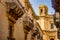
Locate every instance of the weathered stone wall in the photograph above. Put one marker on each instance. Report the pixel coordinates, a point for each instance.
(3, 22)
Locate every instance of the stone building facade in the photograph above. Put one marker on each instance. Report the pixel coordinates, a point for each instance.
(46, 22)
(19, 22)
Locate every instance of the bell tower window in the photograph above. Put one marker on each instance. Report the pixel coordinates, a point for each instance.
(41, 10)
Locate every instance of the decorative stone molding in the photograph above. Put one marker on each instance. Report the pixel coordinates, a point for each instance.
(28, 23)
(14, 12)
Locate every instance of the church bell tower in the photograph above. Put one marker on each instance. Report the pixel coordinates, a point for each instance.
(43, 10)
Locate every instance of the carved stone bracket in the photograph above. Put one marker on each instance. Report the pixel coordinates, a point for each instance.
(14, 12)
(14, 9)
(35, 32)
(28, 23)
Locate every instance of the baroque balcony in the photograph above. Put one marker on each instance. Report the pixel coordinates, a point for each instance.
(28, 23)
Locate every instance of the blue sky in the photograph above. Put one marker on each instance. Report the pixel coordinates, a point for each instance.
(36, 3)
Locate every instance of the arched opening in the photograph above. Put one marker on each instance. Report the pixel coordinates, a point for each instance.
(51, 39)
(41, 10)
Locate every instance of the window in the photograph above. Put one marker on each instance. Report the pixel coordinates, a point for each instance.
(51, 39)
(41, 10)
(52, 25)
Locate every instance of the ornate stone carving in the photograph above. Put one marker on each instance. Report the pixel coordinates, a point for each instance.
(28, 23)
(14, 12)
